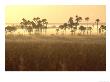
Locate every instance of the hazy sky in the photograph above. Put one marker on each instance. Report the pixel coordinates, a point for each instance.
(54, 14)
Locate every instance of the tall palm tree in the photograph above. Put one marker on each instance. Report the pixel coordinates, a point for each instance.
(36, 22)
(87, 19)
(24, 24)
(97, 22)
(78, 19)
(70, 22)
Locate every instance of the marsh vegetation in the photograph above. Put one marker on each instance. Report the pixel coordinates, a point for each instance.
(80, 50)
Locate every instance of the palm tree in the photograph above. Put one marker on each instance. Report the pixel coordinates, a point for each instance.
(39, 25)
(36, 19)
(72, 32)
(70, 22)
(87, 19)
(10, 29)
(36, 22)
(44, 21)
(78, 19)
(22, 25)
(62, 27)
(24, 22)
(97, 22)
(65, 26)
(102, 27)
(82, 29)
(29, 26)
(34, 26)
(57, 30)
(90, 29)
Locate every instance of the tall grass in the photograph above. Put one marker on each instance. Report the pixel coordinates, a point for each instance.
(55, 53)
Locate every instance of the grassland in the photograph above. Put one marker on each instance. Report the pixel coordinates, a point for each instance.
(55, 53)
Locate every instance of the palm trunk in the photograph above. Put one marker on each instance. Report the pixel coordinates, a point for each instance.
(87, 28)
(97, 28)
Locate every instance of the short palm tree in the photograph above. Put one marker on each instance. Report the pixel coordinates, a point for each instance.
(57, 30)
(102, 27)
(90, 29)
(82, 29)
(62, 28)
(65, 26)
(10, 29)
(44, 25)
(72, 32)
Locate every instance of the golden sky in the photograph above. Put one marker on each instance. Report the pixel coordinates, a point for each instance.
(54, 14)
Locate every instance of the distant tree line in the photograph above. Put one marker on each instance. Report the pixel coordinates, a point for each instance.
(40, 25)
(74, 25)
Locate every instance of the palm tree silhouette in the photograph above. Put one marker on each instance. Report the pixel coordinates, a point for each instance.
(44, 25)
(65, 26)
(36, 19)
(97, 22)
(29, 26)
(62, 28)
(10, 29)
(25, 22)
(78, 19)
(87, 19)
(82, 29)
(40, 25)
(36, 22)
(57, 30)
(70, 22)
(90, 30)
(102, 27)
(22, 25)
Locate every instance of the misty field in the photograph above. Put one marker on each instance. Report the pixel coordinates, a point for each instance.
(55, 53)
